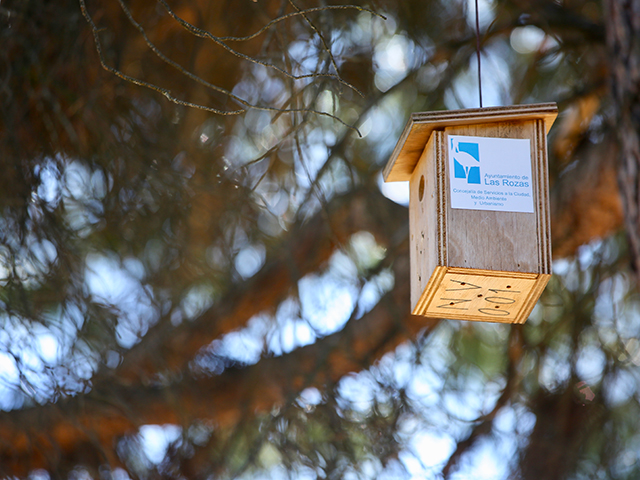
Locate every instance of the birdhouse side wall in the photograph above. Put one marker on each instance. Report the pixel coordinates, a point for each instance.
(427, 212)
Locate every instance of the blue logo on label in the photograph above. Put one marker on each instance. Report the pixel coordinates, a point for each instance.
(466, 161)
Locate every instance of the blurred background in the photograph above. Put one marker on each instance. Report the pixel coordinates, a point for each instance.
(202, 274)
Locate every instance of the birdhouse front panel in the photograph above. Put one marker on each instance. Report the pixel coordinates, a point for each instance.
(486, 234)
(479, 211)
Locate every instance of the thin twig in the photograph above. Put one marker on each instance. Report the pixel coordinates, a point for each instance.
(167, 93)
(298, 13)
(322, 39)
(204, 34)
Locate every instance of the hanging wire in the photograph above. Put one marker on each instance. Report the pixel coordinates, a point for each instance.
(478, 53)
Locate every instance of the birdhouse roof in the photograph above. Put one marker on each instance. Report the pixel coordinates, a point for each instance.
(416, 133)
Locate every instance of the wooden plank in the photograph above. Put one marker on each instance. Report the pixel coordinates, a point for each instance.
(492, 240)
(418, 129)
(407, 152)
(481, 295)
(424, 222)
(429, 292)
(441, 198)
(541, 186)
(534, 295)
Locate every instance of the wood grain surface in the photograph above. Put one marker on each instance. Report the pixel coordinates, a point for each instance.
(427, 210)
(480, 295)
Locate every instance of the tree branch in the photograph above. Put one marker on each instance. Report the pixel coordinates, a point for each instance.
(307, 247)
(112, 410)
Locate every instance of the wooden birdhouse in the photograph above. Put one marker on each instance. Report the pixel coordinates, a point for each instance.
(478, 210)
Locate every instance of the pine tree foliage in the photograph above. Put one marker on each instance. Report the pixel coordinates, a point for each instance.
(200, 275)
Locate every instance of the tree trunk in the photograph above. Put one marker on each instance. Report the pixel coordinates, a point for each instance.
(622, 19)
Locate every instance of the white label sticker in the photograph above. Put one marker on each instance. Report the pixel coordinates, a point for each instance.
(490, 174)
